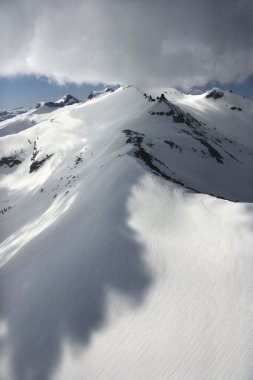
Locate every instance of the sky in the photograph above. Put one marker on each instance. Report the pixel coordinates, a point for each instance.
(52, 47)
(27, 91)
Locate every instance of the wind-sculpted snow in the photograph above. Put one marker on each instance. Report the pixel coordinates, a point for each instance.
(113, 263)
(74, 259)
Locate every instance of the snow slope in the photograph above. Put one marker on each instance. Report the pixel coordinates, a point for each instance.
(115, 260)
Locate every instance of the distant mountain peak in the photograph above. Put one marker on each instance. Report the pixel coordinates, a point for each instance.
(94, 94)
(66, 100)
(215, 93)
(9, 114)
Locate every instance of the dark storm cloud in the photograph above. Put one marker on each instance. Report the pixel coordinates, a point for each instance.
(149, 43)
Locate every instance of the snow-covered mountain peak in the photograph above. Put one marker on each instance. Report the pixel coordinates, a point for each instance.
(215, 94)
(66, 100)
(174, 135)
(97, 93)
(116, 245)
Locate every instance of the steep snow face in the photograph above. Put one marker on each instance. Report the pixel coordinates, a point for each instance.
(192, 151)
(113, 263)
(230, 114)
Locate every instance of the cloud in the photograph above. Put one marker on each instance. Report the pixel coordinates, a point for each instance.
(142, 42)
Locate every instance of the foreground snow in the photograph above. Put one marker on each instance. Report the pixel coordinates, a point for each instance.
(108, 269)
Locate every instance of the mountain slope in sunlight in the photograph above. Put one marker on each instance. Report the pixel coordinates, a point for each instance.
(126, 238)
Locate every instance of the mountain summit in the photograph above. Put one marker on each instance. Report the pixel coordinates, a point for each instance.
(66, 100)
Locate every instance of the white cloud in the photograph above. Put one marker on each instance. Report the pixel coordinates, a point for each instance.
(148, 43)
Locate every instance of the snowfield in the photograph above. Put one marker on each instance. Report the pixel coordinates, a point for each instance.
(126, 238)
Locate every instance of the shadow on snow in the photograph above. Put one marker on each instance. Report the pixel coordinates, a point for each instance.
(55, 289)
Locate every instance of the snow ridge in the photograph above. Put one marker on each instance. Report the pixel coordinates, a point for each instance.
(119, 257)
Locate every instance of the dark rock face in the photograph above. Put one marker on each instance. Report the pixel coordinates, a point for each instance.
(215, 94)
(67, 100)
(109, 89)
(93, 94)
(212, 151)
(179, 116)
(235, 108)
(162, 97)
(38, 163)
(173, 145)
(138, 141)
(53, 104)
(10, 161)
(149, 97)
